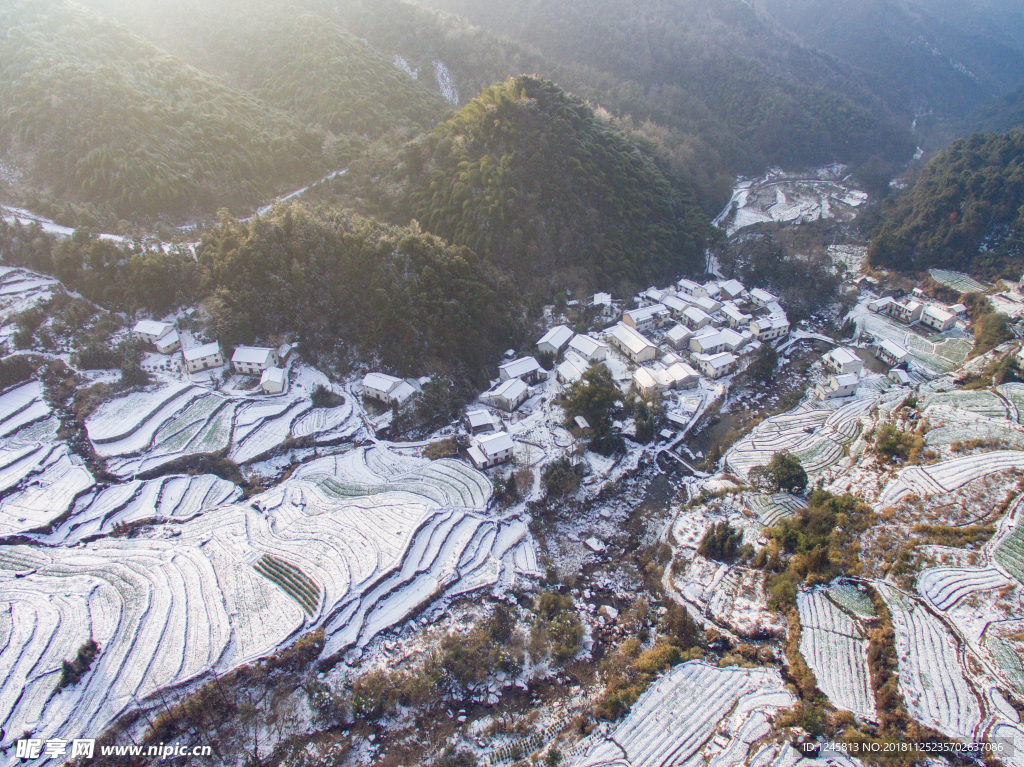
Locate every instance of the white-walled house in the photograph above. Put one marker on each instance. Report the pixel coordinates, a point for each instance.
(631, 343)
(509, 395)
(167, 343)
(938, 319)
(682, 376)
(387, 389)
(734, 316)
(898, 376)
(254, 359)
(843, 385)
(482, 420)
(695, 318)
(571, 369)
(906, 312)
(203, 357)
(768, 328)
(708, 304)
(151, 331)
(891, 353)
(761, 297)
(492, 450)
(555, 340)
(881, 305)
(731, 288)
(691, 289)
(589, 348)
(707, 341)
(604, 304)
(843, 360)
(675, 305)
(272, 381)
(649, 382)
(647, 317)
(527, 369)
(679, 337)
(715, 365)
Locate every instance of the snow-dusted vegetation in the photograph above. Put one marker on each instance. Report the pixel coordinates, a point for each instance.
(837, 651)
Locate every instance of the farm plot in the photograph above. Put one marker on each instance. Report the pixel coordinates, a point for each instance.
(772, 508)
(932, 680)
(816, 433)
(1010, 553)
(959, 281)
(1008, 661)
(938, 404)
(21, 289)
(22, 406)
(947, 476)
(837, 651)
(943, 587)
(232, 584)
(1015, 393)
(38, 484)
(675, 721)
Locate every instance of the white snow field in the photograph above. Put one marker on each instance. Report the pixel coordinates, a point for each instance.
(947, 476)
(817, 433)
(932, 678)
(21, 289)
(693, 712)
(217, 587)
(837, 651)
(145, 430)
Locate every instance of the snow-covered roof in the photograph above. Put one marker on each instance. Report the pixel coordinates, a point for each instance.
(883, 301)
(847, 379)
(680, 372)
(759, 294)
(709, 305)
(380, 382)
(844, 355)
(644, 379)
(940, 314)
(717, 361)
(402, 392)
(629, 338)
(152, 328)
(199, 352)
(732, 287)
(558, 336)
(602, 299)
(168, 339)
(900, 375)
(252, 355)
(272, 375)
(893, 349)
(688, 285)
(779, 322)
(647, 312)
(696, 314)
(511, 390)
(774, 307)
(675, 303)
(478, 418)
(731, 337)
(520, 367)
(496, 443)
(476, 455)
(958, 308)
(572, 368)
(712, 288)
(678, 333)
(733, 313)
(586, 345)
(284, 350)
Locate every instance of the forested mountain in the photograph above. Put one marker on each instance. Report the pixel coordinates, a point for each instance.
(293, 58)
(691, 60)
(965, 212)
(529, 177)
(944, 67)
(1000, 116)
(94, 114)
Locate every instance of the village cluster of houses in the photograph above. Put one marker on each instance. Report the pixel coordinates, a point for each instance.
(262, 361)
(912, 310)
(844, 366)
(713, 324)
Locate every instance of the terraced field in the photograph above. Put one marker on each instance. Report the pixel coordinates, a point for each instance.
(227, 583)
(963, 283)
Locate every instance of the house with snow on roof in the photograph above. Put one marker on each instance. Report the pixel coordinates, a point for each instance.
(691, 289)
(387, 389)
(588, 348)
(707, 304)
(675, 305)
(908, 312)
(526, 369)
(715, 365)
(492, 450)
(481, 420)
(842, 360)
(899, 377)
(604, 304)
(647, 317)
(571, 369)
(707, 341)
(881, 305)
(272, 381)
(555, 340)
(769, 328)
(731, 289)
(509, 395)
(649, 382)
(734, 317)
(843, 385)
(761, 297)
(679, 337)
(695, 318)
(633, 345)
(681, 376)
(254, 359)
(151, 331)
(891, 353)
(167, 343)
(203, 357)
(938, 319)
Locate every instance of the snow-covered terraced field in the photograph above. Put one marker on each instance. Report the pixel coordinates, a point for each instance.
(1010, 552)
(1014, 392)
(947, 476)
(145, 430)
(958, 281)
(227, 583)
(21, 289)
(38, 484)
(771, 508)
(675, 721)
(817, 433)
(837, 651)
(21, 406)
(943, 587)
(984, 403)
(932, 679)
